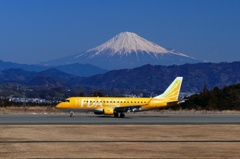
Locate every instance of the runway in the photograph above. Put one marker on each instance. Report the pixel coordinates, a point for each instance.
(110, 120)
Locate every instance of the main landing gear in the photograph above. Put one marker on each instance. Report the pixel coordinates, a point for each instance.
(116, 115)
(122, 115)
(71, 113)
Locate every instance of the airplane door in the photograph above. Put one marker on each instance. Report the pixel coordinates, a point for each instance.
(78, 102)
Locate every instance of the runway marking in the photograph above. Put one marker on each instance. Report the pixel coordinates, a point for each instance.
(183, 141)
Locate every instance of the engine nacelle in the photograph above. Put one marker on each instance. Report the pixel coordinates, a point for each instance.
(108, 111)
(98, 111)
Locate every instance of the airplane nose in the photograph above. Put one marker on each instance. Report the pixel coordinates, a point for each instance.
(58, 106)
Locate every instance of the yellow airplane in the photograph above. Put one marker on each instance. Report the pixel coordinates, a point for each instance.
(120, 105)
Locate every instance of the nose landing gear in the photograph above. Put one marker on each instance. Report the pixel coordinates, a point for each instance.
(71, 113)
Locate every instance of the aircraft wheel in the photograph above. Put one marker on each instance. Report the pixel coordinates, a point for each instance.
(122, 115)
(115, 115)
(71, 113)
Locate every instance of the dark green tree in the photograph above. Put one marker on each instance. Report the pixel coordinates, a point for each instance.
(96, 94)
(81, 94)
(205, 89)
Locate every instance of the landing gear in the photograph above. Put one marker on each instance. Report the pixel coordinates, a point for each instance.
(115, 115)
(71, 113)
(122, 115)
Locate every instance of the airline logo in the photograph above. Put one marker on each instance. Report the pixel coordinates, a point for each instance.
(173, 90)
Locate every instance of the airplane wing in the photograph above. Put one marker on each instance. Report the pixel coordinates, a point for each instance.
(129, 108)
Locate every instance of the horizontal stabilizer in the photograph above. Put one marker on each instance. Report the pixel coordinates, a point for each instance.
(178, 101)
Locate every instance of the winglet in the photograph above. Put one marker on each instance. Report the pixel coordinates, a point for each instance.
(172, 91)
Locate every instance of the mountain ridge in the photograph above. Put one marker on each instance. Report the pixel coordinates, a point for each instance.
(151, 78)
(19, 75)
(77, 69)
(127, 50)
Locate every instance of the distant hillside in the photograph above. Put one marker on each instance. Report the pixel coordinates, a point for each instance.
(16, 75)
(9, 65)
(148, 78)
(77, 69)
(34, 78)
(158, 77)
(60, 76)
(47, 82)
(82, 70)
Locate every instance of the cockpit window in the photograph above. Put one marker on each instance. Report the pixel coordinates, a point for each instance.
(66, 100)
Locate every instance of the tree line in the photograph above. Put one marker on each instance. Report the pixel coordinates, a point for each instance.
(227, 98)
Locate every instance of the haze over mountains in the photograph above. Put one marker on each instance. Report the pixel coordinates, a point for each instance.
(77, 69)
(148, 77)
(36, 78)
(126, 50)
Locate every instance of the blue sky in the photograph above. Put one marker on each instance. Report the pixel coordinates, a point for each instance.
(32, 31)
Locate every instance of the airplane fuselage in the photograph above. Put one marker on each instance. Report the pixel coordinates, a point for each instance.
(119, 105)
(98, 103)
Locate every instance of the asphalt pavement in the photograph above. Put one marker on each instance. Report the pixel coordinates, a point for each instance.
(110, 120)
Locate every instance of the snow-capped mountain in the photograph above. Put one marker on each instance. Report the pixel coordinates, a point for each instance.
(127, 50)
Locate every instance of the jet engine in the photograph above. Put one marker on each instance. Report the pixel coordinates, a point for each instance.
(98, 111)
(108, 111)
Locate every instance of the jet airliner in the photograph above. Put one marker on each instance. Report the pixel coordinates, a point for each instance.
(117, 106)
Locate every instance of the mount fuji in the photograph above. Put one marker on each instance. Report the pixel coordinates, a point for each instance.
(126, 50)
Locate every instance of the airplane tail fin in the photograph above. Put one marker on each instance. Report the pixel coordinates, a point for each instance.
(172, 91)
